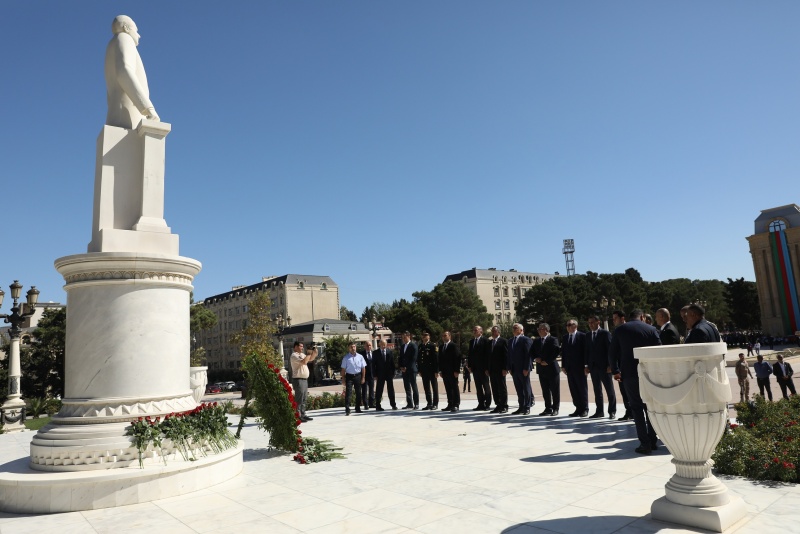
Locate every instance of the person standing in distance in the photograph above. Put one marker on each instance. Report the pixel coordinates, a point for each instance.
(545, 350)
(478, 363)
(763, 370)
(783, 375)
(368, 387)
(633, 334)
(450, 366)
(742, 374)
(573, 363)
(667, 331)
(300, 372)
(429, 369)
(597, 365)
(701, 331)
(519, 363)
(619, 319)
(498, 369)
(408, 366)
(354, 370)
(384, 369)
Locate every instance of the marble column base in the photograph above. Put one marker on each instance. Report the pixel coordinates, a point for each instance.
(25, 491)
(715, 518)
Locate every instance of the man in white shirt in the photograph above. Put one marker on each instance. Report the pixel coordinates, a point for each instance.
(354, 372)
(300, 374)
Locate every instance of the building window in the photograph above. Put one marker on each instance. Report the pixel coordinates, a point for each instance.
(324, 285)
(505, 291)
(300, 285)
(499, 317)
(508, 304)
(327, 327)
(496, 291)
(508, 317)
(497, 305)
(777, 226)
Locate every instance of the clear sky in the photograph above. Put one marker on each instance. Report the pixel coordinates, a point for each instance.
(389, 144)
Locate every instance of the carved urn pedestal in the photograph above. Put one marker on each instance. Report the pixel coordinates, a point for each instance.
(686, 390)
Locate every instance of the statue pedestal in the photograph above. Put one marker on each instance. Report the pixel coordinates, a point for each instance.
(686, 390)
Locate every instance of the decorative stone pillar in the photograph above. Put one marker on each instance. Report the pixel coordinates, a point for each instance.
(686, 390)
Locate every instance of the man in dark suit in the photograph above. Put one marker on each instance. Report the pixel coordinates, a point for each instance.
(783, 374)
(667, 331)
(478, 363)
(519, 363)
(598, 341)
(408, 366)
(700, 330)
(383, 370)
(634, 333)
(545, 350)
(619, 319)
(429, 369)
(498, 369)
(368, 387)
(450, 367)
(573, 363)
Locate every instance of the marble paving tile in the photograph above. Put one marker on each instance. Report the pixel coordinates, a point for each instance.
(466, 521)
(75, 523)
(414, 513)
(571, 519)
(318, 515)
(258, 526)
(371, 500)
(137, 517)
(279, 503)
(520, 507)
(361, 524)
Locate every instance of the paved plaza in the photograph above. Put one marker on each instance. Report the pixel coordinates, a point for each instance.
(406, 472)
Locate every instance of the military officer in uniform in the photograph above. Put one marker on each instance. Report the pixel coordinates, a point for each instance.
(429, 369)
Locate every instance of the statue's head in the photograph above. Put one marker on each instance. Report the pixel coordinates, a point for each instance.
(125, 24)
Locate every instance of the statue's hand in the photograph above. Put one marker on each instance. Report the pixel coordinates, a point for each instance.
(151, 114)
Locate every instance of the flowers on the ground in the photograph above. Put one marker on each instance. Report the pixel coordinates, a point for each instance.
(189, 432)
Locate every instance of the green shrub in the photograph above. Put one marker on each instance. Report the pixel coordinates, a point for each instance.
(36, 406)
(53, 406)
(765, 444)
(328, 400)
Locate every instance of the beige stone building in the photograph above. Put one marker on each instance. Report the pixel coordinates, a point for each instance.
(296, 298)
(500, 291)
(775, 248)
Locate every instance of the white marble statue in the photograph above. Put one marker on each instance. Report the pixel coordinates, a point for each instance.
(126, 81)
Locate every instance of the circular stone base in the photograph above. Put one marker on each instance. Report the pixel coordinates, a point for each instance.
(23, 490)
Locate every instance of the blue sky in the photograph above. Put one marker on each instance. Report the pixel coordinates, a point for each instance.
(388, 144)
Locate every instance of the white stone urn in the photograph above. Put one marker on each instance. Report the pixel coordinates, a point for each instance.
(686, 390)
(198, 380)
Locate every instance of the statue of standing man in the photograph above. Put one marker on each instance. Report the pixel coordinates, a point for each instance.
(126, 81)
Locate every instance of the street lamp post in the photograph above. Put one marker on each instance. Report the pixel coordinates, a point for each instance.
(603, 309)
(373, 326)
(12, 413)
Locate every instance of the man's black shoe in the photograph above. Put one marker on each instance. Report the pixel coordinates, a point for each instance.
(502, 410)
(584, 413)
(574, 414)
(626, 417)
(487, 408)
(547, 412)
(428, 407)
(596, 415)
(478, 408)
(306, 419)
(555, 412)
(518, 411)
(447, 408)
(365, 408)
(435, 407)
(416, 407)
(347, 412)
(496, 409)
(654, 446)
(612, 415)
(394, 407)
(454, 409)
(408, 407)
(379, 409)
(358, 411)
(525, 412)
(643, 450)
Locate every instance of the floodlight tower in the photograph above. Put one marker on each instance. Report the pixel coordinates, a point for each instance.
(569, 250)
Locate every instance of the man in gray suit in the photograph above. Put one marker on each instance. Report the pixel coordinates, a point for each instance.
(520, 365)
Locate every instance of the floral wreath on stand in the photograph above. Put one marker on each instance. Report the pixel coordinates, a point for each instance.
(277, 413)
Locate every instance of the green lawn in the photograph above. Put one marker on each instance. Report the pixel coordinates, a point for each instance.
(36, 424)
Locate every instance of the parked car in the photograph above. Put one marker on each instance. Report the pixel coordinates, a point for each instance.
(228, 386)
(213, 388)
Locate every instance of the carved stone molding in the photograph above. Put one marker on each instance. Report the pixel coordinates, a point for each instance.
(174, 278)
(124, 409)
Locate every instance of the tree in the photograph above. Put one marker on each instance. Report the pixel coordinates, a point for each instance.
(42, 361)
(200, 318)
(376, 310)
(335, 349)
(258, 331)
(347, 315)
(742, 299)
